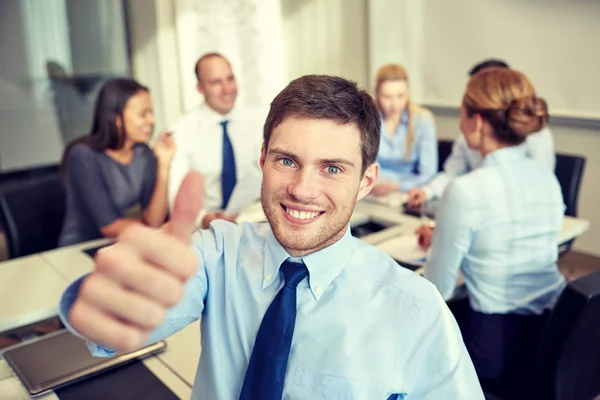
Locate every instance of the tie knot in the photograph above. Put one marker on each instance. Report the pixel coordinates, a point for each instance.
(224, 123)
(293, 273)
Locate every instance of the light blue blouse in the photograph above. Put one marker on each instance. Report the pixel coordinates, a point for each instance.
(422, 164)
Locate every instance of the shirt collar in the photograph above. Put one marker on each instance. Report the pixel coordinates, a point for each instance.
(210, 115)
(404, 118)
(505, 155)
(323, 266)
(403, 121)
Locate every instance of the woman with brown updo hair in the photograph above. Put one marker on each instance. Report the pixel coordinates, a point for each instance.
(499, 225)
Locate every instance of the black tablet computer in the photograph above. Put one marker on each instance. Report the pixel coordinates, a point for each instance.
(61, 358)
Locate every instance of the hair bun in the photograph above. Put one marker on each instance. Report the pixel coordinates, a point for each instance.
(527, 115)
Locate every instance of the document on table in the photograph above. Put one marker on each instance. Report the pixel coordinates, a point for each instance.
(404, 248)
(393, 200)
(245, 192)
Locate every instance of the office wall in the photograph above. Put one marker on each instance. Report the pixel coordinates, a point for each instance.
(550, 40)
(326, 37)
(97, 37)
(29, 130)
(146, 64)
(39, 115)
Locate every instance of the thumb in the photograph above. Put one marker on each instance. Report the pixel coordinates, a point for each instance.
(188, 203)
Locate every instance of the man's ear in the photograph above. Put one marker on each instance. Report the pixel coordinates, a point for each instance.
(368, 181)
(263, 156)
(199, 88)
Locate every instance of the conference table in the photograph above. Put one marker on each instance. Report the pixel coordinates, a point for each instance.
(31, 286)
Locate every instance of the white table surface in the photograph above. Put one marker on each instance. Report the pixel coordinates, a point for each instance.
(29, 291)
(33, 285)
(403, 246)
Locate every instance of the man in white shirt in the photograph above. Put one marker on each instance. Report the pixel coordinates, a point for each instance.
(216, 139)
(539, 146)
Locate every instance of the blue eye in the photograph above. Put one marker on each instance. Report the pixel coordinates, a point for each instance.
(287, 162)
(332, 169)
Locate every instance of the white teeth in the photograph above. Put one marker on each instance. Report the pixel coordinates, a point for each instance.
(301, 214)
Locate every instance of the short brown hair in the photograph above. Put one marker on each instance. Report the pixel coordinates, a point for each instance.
(206, 57)
(331, 98)
(506, 99)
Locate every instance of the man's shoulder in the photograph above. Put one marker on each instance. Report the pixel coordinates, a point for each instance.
(184, 122)
(223, 235)
(540, 138)
(384, 272)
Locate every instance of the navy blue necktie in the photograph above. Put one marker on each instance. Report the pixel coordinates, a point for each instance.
(228, 172)
(266, 371)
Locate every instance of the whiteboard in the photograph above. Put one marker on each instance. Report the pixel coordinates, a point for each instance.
(555, 42)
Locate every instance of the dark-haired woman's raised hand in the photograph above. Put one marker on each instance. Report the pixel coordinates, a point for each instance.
(164, 148)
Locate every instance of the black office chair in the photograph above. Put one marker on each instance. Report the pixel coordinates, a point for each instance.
(569, 172)
(569, 357)
(16, 177)
(568, 361)
(31, 214)
(444, 150)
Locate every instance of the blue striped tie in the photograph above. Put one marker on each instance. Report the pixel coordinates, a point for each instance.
(265, 375)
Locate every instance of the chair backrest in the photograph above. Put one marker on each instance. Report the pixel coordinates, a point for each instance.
(444, 150)
(569, 172)
(31, 214)
(569, 358)
(16, 177)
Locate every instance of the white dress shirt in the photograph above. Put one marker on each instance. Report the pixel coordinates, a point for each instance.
(539, 146)
(199, 139)
(499, 225)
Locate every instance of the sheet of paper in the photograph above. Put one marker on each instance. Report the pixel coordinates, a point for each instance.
(245, 192)
(404, 248)
(393, 200)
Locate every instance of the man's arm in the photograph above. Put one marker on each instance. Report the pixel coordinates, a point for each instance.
(540, 147)
(443, 369)
(136, 281)
(456, 164)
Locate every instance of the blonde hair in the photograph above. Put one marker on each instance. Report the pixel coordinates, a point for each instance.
(396, 72)
(506, 99)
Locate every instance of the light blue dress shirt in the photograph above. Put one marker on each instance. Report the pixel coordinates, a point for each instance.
(499, 225)
(365, 327)
(422, 164)
(539, 146)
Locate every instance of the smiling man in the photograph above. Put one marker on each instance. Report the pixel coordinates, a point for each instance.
(296, 308)
(218, 139)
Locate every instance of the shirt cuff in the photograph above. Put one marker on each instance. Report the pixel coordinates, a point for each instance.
(429, 192)
(64, 307)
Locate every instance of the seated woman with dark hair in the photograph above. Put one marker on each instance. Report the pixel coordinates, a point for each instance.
(113, 179)
(499, 225)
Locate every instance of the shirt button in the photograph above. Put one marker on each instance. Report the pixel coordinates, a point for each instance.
(268, 278)
(318, 289)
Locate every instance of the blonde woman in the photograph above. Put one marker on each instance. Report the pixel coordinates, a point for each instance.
(499, 225)
(407, 155)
